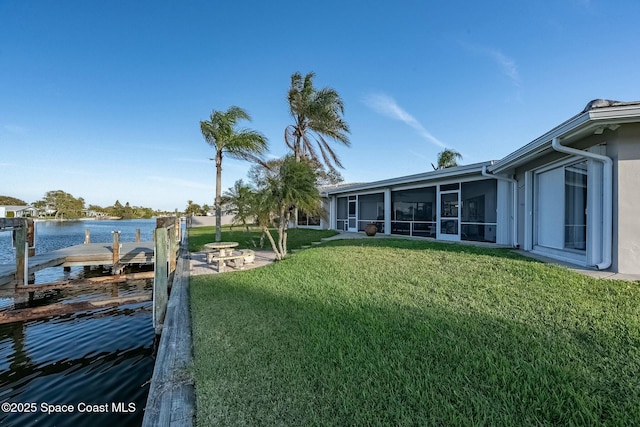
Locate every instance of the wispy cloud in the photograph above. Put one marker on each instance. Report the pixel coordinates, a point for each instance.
(15, 129)
(506, 64)
(387, 106)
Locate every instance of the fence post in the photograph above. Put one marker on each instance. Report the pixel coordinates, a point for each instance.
(137, 235)
(87, 236)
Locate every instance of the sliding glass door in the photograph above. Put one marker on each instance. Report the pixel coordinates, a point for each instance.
(561, 208)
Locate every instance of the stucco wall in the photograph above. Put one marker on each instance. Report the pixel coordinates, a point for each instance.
(626, 154)
(200, 221)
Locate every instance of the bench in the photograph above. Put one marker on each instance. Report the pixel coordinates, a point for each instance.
(239, 259)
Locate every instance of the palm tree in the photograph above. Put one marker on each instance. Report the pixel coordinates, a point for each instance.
(447, 159)
(221, 133)
(292, 185)
(238, 201)
(318, 116)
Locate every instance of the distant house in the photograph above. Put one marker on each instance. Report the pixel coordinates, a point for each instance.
(7, 211)
(571, 194)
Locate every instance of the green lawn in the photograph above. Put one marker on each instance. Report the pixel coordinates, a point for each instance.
(298, 237)
(399, 332)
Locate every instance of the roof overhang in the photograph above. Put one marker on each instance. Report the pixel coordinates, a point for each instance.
(590, 121)
(425, 177)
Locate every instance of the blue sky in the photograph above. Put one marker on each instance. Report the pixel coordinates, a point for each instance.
(103, 99)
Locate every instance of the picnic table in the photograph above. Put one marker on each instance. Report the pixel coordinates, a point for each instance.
(221, 247)
(221, 252)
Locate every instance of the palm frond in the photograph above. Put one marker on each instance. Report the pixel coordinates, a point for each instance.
(319, 113)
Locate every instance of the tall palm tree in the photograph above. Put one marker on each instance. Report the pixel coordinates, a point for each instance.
(447, 158)
(318, 117)
(221, 133)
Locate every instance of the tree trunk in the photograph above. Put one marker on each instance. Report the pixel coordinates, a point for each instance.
(217, 203)
(265, 230)
(281, 226)
(285, 233)
(298, 156)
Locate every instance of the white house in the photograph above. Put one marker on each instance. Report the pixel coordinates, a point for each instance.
(7, 211)
(572, 194)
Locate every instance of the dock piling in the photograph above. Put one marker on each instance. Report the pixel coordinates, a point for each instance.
(161, 278)
(22, 255)
(116, 252)
(31, 237)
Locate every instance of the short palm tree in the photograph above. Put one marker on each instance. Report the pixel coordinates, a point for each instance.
(221, 133)
(238, 200)
(292, 185)
(447, 159)
(318, 118)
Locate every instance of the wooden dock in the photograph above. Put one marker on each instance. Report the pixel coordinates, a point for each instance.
(16, 280)
(91, 254)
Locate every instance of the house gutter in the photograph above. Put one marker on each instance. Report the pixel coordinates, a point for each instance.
(607, 197)
(514, 187)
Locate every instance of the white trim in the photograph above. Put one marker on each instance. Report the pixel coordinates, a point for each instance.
(595, 181)
(423, 184)
(438, 176)
(557, 164)
(577, 126)
(387, 211)
(528, 211)
(561, 255)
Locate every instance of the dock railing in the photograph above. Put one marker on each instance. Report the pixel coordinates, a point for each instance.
(171, 400)
(167, 245)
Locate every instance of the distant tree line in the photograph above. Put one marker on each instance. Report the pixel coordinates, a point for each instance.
(59, 204)
(11, 201)
(196, 209)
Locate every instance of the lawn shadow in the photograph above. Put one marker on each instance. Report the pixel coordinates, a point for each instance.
(311, 357)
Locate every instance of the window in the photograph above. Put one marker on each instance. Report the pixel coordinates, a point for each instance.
(561, 208)
(575, 206)
(413, 212)
(370, 209)
(341, 214)
(307, 220)
(479, 210)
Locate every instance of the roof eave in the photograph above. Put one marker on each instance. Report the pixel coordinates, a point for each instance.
(538, 145)
(580, 123)
(421, 177)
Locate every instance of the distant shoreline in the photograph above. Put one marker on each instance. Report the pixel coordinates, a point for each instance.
(106, 218)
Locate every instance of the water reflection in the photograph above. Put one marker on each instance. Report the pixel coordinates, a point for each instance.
(101, 357)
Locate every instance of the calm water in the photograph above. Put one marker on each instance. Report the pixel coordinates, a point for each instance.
(98, 361)
(51, 235)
